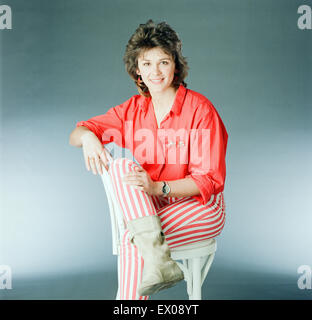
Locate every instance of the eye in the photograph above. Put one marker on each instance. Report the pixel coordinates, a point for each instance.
(165, 62)
(145, 63)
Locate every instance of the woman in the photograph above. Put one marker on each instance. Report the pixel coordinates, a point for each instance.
(175, 196)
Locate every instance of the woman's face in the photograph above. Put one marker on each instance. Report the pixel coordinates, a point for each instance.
(156, 69)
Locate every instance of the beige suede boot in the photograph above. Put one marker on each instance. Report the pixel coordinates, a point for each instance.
(160, 271)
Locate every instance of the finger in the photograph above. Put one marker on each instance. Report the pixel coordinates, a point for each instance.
(137, 170)
(86, 160)
(107, 155)
(103, 166)
(139, 188)
(135, 186)
(98, 165)
(104, 159)
(92, 165)
(134, 180)
(135, 174)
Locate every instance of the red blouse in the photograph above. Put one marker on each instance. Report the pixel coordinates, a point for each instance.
(191, 141)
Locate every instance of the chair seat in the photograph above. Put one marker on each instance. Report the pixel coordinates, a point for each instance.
(194, 250)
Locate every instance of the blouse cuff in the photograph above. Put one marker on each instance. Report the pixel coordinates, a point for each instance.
(91, 127)
(205, 187)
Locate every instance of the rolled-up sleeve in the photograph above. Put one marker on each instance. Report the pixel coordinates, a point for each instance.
(107, 127)
(208, 143)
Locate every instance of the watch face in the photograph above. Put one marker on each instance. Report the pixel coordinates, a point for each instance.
(166, 189)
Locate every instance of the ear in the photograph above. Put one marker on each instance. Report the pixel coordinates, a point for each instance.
(138, 71)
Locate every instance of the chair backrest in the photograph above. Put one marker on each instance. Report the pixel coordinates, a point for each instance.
(117, 222)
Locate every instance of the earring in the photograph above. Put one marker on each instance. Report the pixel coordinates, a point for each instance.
(139, 80)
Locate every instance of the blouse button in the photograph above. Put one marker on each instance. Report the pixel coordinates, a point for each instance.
(170, 143)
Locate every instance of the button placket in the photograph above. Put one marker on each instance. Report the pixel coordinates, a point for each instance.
(170, 144)
(179, 144)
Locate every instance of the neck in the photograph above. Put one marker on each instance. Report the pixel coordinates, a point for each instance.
(164, 100)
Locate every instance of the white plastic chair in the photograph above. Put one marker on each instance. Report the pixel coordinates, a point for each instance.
(196, 257)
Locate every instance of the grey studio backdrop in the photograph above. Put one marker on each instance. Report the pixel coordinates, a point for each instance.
(62, 63)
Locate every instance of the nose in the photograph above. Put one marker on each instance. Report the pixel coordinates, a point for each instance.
(155, 69)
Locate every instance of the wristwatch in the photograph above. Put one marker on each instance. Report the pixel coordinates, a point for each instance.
(165, 189)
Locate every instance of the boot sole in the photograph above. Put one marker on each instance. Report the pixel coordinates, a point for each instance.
(158, 287)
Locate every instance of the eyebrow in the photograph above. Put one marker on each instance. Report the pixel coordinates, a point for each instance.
(159, 59)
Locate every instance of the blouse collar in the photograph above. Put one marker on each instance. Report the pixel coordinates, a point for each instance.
(177, 104)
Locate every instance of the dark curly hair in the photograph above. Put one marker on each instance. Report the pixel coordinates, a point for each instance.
(148, 36)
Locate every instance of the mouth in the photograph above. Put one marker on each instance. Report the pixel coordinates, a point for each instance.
(157, 81)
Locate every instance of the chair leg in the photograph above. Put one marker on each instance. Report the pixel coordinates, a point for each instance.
(196, 267)
(118, 270)
(188, 276)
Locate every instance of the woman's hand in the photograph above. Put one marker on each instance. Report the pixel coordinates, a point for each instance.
(141, 180)
(94, 153)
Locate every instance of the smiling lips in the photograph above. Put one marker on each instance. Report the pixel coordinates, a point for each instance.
(156, 81)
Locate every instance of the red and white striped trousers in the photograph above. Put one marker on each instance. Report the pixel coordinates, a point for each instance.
(184, 220)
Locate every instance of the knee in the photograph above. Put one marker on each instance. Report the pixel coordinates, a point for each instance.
(122, 165)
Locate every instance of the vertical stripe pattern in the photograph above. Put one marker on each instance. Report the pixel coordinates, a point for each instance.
(184, 220)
